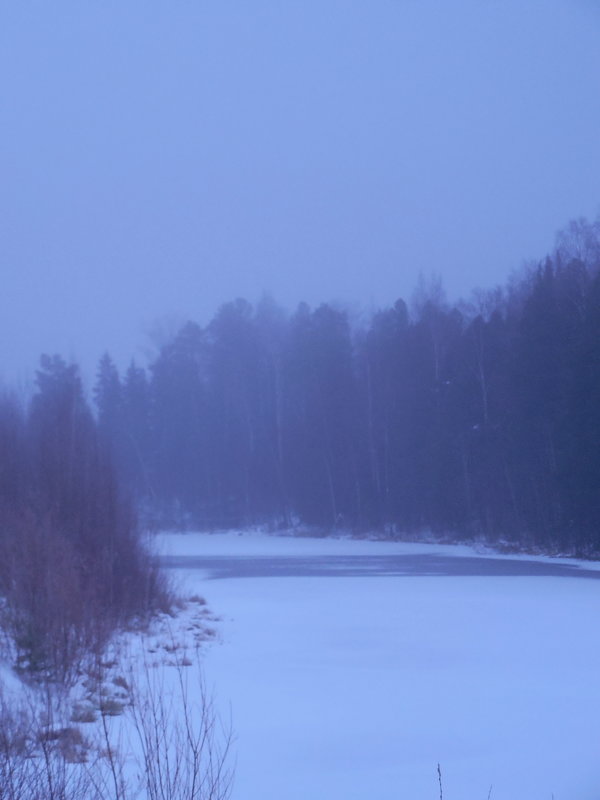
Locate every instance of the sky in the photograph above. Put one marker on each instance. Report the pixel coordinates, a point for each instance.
(158, 159)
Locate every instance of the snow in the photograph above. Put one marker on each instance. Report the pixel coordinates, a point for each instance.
(356, 687)
(355, 684)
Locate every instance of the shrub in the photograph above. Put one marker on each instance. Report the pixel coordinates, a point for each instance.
(73, 566)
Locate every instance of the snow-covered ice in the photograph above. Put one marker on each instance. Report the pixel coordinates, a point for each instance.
(356, 687)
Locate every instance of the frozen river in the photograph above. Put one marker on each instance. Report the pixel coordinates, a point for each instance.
(352, 668)
(349, 566)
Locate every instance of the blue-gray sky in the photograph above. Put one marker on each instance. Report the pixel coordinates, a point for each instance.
(160, 158)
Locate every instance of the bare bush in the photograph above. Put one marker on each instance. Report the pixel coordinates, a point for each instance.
(73, 565)
(50, 610)
(39, 761)
(185, 748)
(167, 743)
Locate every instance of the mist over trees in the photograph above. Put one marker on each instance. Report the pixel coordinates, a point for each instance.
(72, 564)
(473, 420)
(480, 419)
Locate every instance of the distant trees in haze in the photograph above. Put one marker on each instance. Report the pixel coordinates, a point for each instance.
(479, 419)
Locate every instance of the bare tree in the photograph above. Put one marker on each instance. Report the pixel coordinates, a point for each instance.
(184, 748)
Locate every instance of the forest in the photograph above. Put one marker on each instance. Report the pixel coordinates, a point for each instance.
(479, 419)
(474, 420)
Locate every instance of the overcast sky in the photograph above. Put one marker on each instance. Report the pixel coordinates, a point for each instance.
(160, 158)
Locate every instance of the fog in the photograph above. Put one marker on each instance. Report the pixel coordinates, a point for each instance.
(159, 159)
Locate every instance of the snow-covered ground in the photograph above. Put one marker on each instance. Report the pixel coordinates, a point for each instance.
(355, 687)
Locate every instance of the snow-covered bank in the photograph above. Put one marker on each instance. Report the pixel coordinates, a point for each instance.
(137, 723)
(357, 688)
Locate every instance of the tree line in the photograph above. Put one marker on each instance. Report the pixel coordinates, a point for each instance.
(478, 419)
(72, 562)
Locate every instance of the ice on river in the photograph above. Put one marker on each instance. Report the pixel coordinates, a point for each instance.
(353, 683)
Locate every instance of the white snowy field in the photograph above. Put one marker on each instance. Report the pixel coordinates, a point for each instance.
(354, 688)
